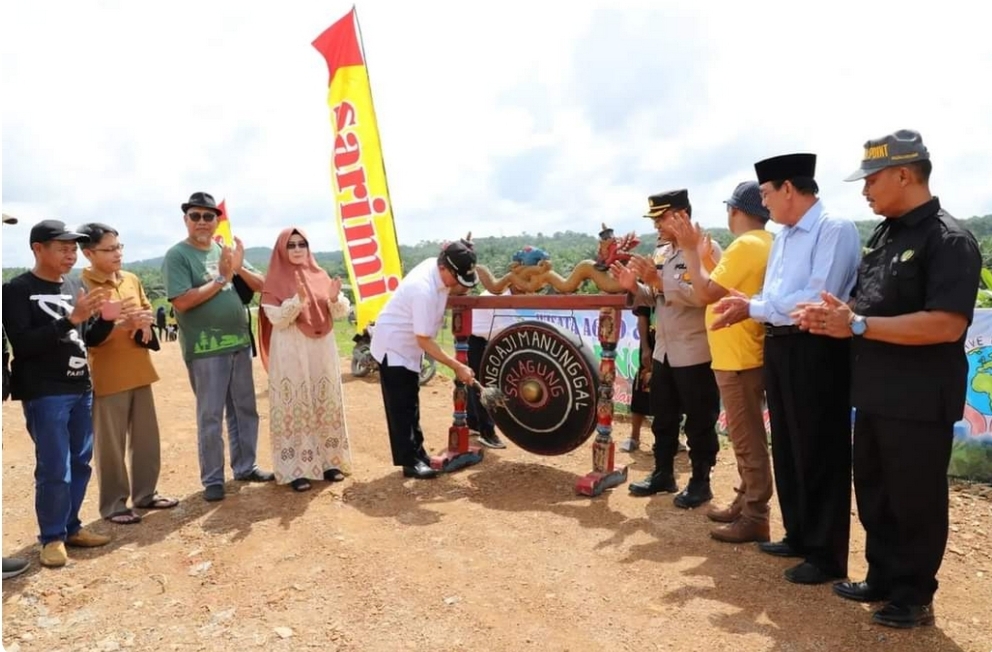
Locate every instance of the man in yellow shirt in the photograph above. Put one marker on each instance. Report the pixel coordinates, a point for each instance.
(738, 355)
(123, 374)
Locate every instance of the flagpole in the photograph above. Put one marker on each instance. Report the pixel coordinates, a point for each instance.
(385, 178)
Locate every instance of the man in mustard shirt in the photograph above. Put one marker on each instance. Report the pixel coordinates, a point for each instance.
(125, 424)
(738, 355)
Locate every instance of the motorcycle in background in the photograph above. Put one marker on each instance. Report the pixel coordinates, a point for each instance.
(363, 364)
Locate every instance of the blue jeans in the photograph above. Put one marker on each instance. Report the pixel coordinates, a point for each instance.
(221, 381)
(61, 428)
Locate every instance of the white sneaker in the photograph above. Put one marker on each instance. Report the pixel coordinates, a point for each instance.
(628, 445)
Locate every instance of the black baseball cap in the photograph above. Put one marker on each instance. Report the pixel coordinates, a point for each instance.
(460, 261)
(9, 219)
(48, 230)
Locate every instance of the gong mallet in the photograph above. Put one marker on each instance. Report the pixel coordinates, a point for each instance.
(490, 397)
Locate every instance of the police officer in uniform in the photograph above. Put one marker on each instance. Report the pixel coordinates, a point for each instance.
(682, 382)
(913, 302)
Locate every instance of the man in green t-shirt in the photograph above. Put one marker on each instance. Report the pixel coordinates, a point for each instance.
(216, 343)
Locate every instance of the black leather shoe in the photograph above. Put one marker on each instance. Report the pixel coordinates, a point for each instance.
(904, 616)
(656, 483)
(807, 573)
(859, 592)
(779, 549)
(420, 470)
(694, 495)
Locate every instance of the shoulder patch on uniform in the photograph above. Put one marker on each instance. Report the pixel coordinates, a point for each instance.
(906, 255)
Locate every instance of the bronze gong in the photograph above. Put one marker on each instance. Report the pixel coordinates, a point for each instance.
(549, 380)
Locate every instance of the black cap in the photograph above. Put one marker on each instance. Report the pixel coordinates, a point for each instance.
(670, 199)
(48, 230)
(9, 219)
(785, 167)
(460, 261)
(201, 200)
(900, 148)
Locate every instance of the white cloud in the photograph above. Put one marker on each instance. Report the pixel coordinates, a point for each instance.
(514, 116)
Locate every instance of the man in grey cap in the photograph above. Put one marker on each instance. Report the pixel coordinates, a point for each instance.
(913, 301)
(738, 355)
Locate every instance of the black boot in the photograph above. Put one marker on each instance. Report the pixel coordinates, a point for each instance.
(658, 482)
(698, 491)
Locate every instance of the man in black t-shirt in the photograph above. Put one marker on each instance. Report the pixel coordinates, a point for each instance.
(913, 301)
(49, 320)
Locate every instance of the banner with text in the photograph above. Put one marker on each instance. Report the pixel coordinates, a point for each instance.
(358, 175)
(971, 456)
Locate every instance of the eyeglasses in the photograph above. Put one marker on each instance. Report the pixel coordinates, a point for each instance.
(297, 245)
(110, 250)
(206, 217)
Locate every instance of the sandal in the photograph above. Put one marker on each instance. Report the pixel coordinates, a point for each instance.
(333, 475)
(127, 517)
(160, 502)
(300, 484)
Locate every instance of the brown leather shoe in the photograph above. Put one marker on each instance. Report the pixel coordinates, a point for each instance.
(729, 513)
(743, 530)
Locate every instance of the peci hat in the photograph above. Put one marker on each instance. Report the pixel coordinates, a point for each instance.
(460, 261)
(785, 167)
(670, 199)
(9, 219)
(48, 230)
(201, 200)
(747, 199)
(899, 148)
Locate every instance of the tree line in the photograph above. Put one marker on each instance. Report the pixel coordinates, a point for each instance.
(566, 248)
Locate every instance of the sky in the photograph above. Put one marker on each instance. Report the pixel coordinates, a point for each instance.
(499, 118)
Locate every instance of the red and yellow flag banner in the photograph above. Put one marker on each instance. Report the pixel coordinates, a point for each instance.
(358, 175)
(222, 235)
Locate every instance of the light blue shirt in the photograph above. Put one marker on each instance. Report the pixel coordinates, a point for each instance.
(819, 253)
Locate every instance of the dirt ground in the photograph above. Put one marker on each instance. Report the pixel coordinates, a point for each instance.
(501, 556)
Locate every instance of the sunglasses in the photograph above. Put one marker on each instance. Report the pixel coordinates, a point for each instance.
(206, 217)
(297, 245)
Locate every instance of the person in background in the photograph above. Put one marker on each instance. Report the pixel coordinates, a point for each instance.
(50, 320)
(307, 425)
(640, 394)
(125, 423)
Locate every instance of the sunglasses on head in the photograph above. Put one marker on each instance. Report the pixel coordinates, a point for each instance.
(206, 217)
(297, 245)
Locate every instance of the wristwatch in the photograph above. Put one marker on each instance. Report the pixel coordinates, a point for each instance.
(859, 325)
(220, 280)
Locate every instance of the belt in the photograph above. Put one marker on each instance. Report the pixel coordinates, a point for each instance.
(779, 331)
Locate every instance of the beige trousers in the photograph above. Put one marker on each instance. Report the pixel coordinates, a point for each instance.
(125, 424)
(743, 394)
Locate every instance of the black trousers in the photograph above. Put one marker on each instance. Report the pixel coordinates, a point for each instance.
(477, 417)
(689, 391)
(807, 386)
(900, 482)
(401, 398)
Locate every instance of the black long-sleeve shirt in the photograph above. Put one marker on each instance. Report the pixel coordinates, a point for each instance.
(49, 353)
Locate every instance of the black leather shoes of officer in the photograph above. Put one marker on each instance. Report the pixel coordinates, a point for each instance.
(904, 616)
(659, 482)
(807, 573)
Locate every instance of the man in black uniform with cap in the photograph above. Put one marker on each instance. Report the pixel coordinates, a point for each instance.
(913, 301)
(807, 377)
